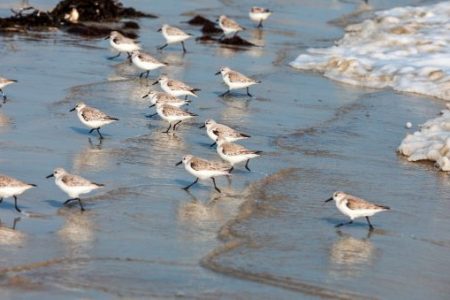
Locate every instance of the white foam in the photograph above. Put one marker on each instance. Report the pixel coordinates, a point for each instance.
(405, 48)
(431, 142)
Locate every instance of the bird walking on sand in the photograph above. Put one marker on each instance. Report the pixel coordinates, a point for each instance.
(234, 153)
(122, 44)
(11, 187)
(173, 35)
(235, 80)
(229, 26)
(259, 14)
(145, 62)
(92, 117)
(73, 185)
(172, 114)
(355, 207)
(203, 169)
(214, 130)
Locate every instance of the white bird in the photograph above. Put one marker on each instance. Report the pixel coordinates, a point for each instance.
(235, 80)
(92, 117)
(11, 187)
(204, 169)
(163, 97)
(259, 14)
(145, 62)
(229, 26)
(172, 114)
(216, 130)
(175, 87)
(355, 207)
(122, 44)
(73, 185)
(234, 153)
(173, 35)
(4, 82)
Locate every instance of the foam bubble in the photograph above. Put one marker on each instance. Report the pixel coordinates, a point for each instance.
(405, 48)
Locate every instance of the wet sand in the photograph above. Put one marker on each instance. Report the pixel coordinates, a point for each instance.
(268, 235)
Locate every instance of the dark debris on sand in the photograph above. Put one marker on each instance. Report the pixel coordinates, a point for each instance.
(208, 26)
(97, 11)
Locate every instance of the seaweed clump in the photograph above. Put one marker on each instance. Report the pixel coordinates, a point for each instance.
(97, 11)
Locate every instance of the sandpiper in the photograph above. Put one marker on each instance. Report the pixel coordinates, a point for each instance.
(175, 87)
(355, 207)
(92, 117)
(122, 44)
(73, 185)
(234, 153)
(229, 26)
(145, 62)
(12, 187)
(216, 130)
(4, 82)
(204, 169)
(173, 35)
(172, 114)
(235, 80)
(163, 97)
(259, 14)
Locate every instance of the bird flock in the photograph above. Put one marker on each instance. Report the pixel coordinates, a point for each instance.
(169, 108)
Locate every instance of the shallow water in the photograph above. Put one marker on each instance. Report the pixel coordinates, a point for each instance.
(268, 235)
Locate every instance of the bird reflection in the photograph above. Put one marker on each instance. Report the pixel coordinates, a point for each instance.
(198, 220)
(11, 236)
(236, 107)
(92, 158)
(77, 232)
(350, 255)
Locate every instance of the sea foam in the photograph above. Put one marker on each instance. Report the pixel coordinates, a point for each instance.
(405, 48)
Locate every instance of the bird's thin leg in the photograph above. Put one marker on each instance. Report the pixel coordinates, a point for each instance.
(370, 224)
(246, 165)
(215, 186)
(248, 93)
(185, 97)
(163, 46)
(3, 95)
(115, 56)
(15, 223)
(152, 115)
(68, 200)
(213, 144)
(148, 73)
(227, 92)
(15, 204)
(142, 74)
(176, 125)
(260, 24)
(184, 49)
(342, 224)
(187, 187)
(1, 200)
(90, 131)
(101, 136)
(231, 170)
(167, 131)
(81, 204)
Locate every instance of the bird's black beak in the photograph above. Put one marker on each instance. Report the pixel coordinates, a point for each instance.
(156, 82)
(73, 109)
(203, 126)
(328, 200)
(217, 73)
(179, 163)
(145, 96)
(107, 38)
(49, 176)
(159, 30)
(152, 105)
